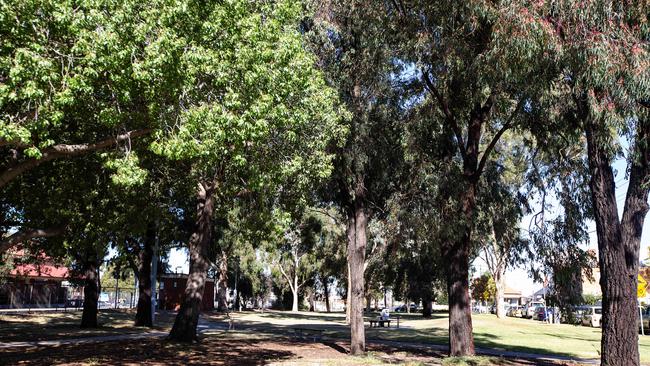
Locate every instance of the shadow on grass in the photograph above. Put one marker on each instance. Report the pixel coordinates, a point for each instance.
(61, 325)
(209, 351)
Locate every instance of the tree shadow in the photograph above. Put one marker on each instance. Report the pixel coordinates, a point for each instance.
(210, 351)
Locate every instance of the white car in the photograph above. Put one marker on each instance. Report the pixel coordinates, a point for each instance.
(531, 309)
(592, 316)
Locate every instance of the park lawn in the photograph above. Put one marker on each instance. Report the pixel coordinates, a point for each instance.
(43, 326)
(238, 348)
(513, 334)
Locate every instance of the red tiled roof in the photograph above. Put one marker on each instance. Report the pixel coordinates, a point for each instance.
(39, 270)
(44, 268)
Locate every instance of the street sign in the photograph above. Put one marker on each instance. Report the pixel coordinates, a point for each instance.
(641, 287)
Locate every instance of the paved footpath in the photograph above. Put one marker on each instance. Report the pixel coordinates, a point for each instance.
(206, 326)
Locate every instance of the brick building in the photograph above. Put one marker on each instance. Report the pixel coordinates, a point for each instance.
(172, 287)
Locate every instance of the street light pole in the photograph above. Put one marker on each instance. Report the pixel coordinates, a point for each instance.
(154, 275)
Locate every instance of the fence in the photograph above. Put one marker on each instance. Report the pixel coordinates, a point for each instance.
(44, 294)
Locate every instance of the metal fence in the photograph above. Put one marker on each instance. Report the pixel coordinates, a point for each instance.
(35, 294)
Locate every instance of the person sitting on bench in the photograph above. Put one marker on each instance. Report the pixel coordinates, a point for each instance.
(384, 316)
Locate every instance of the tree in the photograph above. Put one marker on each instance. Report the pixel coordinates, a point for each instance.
(257, 116)
(79, 79)
(605, 51)
(477, 60)
(350, 40)
(483, 288)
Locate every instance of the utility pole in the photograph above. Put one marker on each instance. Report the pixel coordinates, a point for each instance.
(117, 282)
(154, 275)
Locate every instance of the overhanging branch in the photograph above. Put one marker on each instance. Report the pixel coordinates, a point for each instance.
(64, 151)
(28, 234)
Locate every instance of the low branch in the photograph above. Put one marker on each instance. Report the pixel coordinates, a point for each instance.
(64, 151)
(286, 277)
(28, 234)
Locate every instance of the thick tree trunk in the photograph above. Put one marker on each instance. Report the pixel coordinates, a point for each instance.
(356, 232)
(184, 329)
(222, 286)
(427, 305)
(618, 243)
(143, 313)
(461, 339)
(327, 296)
(500, 288)
(91, 295)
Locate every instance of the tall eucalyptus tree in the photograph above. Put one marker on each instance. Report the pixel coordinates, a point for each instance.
(476, 61)
(350, 39)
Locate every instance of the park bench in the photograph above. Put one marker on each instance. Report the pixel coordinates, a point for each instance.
(308, 333)
(380, 323)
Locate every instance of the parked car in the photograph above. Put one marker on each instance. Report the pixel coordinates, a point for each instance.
(402, 308)
(514, 311)
(531, 309)
(573, 315)
(592, 316)
(74, 303)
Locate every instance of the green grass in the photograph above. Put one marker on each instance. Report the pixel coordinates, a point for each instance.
(513, 334)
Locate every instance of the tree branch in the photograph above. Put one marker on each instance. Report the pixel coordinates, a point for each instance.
(286, 277)
(444, 107)
(28, 234)
(64, 151)
(496, 137)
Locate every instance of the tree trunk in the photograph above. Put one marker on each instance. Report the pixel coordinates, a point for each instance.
(222, 287)
(618, 242)
(427, 308)
(356, 232)
(461, 339)
(327, 296)
(294, 302)
(500, 288)
(368, 303)
(91, 295)
(143, 313)
(184, 329)
(348, 294)
(312, 306)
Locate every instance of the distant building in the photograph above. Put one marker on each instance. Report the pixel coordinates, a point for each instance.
(42, 283)
(512, 296)
(172, 288)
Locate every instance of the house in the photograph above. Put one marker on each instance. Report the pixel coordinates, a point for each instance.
(512, 296)
(34, 281)
(172, 288)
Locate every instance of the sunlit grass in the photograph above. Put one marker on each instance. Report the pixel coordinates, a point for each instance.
(512, 334)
